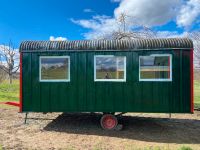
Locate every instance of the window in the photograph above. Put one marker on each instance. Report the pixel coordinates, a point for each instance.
(155, 68)
(55, 68)
(109, 68)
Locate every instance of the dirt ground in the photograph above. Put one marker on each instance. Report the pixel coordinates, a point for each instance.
(83, 131)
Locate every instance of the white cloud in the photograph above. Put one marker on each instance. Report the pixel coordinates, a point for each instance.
(88, 10)
(99, 25)
(188, 14)
(52, 38)
(90, 24)
(143, 12)
(170, 34)
(149, 13)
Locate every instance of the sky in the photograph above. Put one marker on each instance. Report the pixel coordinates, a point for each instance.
(88, 19)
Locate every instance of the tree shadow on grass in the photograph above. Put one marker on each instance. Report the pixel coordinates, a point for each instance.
(161, 130)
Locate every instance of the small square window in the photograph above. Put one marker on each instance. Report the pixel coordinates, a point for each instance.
(55, 68)
(109, 68)
(155, 67)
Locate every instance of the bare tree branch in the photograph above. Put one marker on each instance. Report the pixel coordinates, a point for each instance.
(195, 36)
(3, 68)
(125, 31)
(8, 58)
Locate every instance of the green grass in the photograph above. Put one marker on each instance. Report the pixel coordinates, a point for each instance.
(197, 94)
(111, 74)
(9, 92)
(185, 148)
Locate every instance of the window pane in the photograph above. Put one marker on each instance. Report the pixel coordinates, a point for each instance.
(54, 68)
(110, 67)
(155, 67)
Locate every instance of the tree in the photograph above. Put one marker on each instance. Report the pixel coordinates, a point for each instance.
(125, 31)
(9, 58)
(2, 75)
(195, 36)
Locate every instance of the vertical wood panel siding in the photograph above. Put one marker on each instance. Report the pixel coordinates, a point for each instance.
(83, 94)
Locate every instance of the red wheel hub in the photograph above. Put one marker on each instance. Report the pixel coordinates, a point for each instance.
(109, 121)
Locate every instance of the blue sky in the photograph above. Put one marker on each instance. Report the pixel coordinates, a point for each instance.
(85, 19)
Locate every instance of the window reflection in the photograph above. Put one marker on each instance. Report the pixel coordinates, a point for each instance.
(155, 67)
(54, 68)
(110, 67)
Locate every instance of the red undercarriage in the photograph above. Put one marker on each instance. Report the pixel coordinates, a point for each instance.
(11, 103)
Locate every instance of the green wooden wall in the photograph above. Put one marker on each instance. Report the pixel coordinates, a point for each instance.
(83, 94)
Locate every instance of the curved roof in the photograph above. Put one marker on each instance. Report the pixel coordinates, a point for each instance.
(137, 44)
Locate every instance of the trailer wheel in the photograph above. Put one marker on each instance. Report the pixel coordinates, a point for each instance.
(108, 122)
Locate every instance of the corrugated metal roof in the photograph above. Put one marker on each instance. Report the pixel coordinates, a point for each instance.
(137, 44)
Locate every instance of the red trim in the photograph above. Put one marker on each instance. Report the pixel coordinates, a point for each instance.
(20, 84)
(191, 81)
(11, 103)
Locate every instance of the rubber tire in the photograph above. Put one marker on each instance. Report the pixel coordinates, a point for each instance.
(110, 116)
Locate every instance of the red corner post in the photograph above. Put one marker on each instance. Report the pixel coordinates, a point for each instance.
(192, 80)
(20, 84)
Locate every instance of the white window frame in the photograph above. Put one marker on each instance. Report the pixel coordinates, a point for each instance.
(54, 80)
(159, 80)
(109, 80)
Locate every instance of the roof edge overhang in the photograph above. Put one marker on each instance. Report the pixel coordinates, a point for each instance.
(107, 45)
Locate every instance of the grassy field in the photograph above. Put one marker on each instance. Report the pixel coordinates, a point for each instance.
(55, 73)
(197, 94)
(111, 74)
(11, 92)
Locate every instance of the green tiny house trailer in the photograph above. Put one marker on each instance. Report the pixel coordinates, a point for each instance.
(149, 75)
